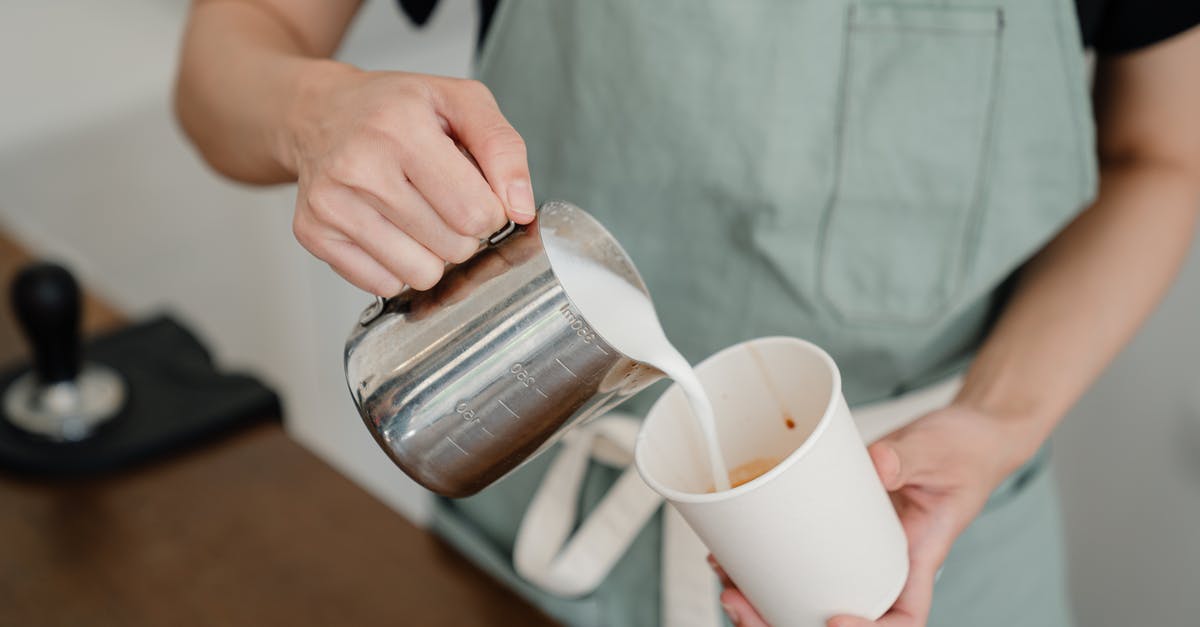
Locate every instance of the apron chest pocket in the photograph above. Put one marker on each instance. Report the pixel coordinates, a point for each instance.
(918, 92)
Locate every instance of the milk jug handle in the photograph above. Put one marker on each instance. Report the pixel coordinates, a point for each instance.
(498, 236)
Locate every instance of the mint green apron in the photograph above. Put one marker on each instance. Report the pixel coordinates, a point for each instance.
(862, 175)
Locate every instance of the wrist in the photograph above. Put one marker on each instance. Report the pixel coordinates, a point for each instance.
(309, 85)
(1016, 429)
(1002, 384)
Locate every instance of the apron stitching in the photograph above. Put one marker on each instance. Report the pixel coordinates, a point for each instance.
(839, 159)
(979, 202)
(939, 30)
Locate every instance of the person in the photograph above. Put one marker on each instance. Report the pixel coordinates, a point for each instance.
(921, 189)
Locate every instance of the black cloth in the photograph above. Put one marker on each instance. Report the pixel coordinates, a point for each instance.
(419, 11)
(1108, 26)
(175, 397)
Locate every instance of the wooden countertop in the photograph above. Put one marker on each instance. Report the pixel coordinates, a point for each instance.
(249, 530)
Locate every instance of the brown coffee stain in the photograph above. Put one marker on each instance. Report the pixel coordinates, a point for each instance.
(787, 420)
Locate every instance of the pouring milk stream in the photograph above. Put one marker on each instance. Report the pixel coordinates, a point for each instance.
(625, 317)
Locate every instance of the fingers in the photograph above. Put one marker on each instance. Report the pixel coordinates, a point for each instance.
(377, 175)
(341, 227)
(735, 604)
(476, 121)
(358, 268)
(395, 250)
(904, 457)
(739, 610)
(408, 210)
(887, 465)
(726, 582)
(404, 174)
(451, 184)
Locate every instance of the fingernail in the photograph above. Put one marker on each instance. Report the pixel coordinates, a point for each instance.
(520, 198)
(731, 612)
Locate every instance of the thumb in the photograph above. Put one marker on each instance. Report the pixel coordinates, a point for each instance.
(900, 458)
(475, 118)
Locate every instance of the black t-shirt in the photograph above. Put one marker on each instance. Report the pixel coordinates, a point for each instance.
(1108, 26)
(1113, 26)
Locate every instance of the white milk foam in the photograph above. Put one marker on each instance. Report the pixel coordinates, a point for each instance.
(626, 319)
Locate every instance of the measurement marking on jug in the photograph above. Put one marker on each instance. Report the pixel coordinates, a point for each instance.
(539, 391)
(521, 373)
(502, 404)
(600, 348)
(466, 412)
(564, 367)
(464, 452)
(485, 430)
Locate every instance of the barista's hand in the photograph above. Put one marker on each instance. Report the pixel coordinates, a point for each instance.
(940, 471)
(400, 173)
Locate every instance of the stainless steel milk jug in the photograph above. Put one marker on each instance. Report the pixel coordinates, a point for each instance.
(463, 383)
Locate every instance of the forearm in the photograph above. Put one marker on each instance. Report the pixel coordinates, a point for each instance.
(242, 69)
(1082, 298)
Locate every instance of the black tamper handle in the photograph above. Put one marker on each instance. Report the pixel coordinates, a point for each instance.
(46, 299)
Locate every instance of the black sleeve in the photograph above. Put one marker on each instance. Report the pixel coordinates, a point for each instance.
(1113, 26)
(419, 11)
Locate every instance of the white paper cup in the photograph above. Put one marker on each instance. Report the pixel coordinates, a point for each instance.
(814, 537)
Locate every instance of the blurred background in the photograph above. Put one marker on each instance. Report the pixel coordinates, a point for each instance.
(93, 171)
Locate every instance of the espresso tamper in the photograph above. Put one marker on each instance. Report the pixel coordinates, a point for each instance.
(63, 398)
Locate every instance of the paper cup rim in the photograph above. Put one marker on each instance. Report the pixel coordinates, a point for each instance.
(678, 496)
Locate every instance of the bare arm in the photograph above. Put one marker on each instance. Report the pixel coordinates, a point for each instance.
(398, 173)
(1082, 298)
(239, 75)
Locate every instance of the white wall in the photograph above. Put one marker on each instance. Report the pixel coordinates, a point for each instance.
(93, 170)
(1128, 460)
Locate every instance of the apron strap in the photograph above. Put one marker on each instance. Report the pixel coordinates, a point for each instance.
(574, 566)
(879, 419)
(690, 590)
(571, 567)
